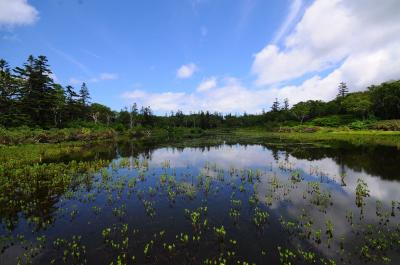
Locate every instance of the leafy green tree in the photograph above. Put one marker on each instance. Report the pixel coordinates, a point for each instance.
(358, 103)
(386, 100)
(301, 111)
(147, 118)
(100, 113)
(123, 118)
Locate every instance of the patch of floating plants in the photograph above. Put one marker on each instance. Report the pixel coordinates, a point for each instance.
(131, 210)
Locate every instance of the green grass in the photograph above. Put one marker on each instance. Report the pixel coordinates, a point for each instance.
(387, 138)
(304, 133)
(26, 135)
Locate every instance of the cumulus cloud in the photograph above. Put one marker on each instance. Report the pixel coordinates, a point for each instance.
(186, 70)
(207, 84)
(332, 41)
(355, 41)
(17, 12)
(230, 96)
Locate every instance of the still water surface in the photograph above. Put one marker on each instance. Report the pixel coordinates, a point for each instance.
(166, 205)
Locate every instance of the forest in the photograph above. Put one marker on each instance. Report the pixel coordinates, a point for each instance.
(30, 97)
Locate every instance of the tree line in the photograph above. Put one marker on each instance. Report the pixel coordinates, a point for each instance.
(30, 97)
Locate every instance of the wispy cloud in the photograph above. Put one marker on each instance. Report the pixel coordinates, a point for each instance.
(10, 37)
(92, 54)
(245, 11)
(108, 76)
(95, 79)
(294, 12)
(71, 59)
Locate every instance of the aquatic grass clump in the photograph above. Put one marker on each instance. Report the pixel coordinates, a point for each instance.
(197, 215)
(220, 233)
(187, 189)
(74, 252)
(362, 192)
(260, 217)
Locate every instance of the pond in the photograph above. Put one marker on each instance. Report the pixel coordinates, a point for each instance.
(233, 202)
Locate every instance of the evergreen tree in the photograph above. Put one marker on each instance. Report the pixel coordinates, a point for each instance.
(275, 105)
(38, 93)
(133, 112)
(286, 104)
(343, 90)
(9, 96)
(83, 101)
(58, 106)
(84, 95)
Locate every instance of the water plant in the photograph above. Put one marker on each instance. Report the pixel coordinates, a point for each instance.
(87, 193)
(220, 233)
(362, 192)
(260, 217)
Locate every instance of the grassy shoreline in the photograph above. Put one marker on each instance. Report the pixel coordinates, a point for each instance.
(75, 135)
(386, 138)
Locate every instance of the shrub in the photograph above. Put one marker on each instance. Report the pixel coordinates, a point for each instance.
(24, 135)
(358, 125)
(136, 132)
(333, 121)
(386, 125)
(300, 128)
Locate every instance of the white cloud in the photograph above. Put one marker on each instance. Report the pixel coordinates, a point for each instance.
(207, 84)
(164, 101)
(230, 97)
(359, 38)
(186, 70)
(17, 12)
(294, 11)
(352, 41)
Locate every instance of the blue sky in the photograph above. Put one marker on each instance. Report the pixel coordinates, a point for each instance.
(160, 53)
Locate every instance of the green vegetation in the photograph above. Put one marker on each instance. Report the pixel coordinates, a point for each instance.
(33, 108)
(328, 136)
(121, 211)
